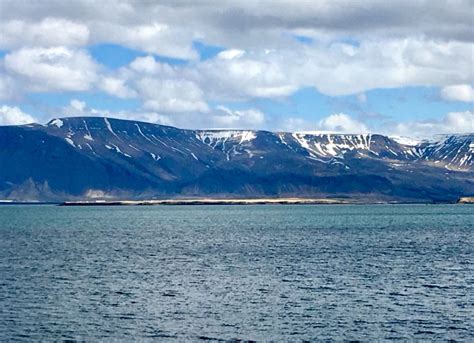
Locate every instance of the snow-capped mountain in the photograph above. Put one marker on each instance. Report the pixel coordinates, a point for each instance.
(94, 156)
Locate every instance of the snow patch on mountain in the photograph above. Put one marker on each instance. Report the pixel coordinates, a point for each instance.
(453, 151)
(332, 145)
(214, 137)
(56, 122)
(70, 141)
(155, 157)
(230, 142)
(404, 140)
(109, 127)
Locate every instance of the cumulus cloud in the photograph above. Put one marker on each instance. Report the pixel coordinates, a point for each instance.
(458, 93)
(219, 117)
(157, 38)
(293, 124)
(116, 87)
(52, 69)
(161, 87)
(8, 87)
(14, 116)
(75, 108)
(335, 123)
(342, 123)
(249, 24)
(452, 122)
(226, 118)
(348, 48)
(45, 33)
(242, 75)
(386, 64)
(230, 54)
(149, 65)
(78, 105)
(238, 75)
(172, 95)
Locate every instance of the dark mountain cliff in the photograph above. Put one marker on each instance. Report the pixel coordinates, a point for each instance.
(89, 157)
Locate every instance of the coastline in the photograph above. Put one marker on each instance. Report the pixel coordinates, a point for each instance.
(246, 201)
(235, 201)
(209, 201)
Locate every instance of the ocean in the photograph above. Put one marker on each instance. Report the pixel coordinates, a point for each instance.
(263, 272)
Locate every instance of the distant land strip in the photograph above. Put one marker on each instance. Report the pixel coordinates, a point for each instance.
(252, 201)
(208, 201)
(466, 200)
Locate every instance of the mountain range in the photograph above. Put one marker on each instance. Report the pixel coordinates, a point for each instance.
(104, 158)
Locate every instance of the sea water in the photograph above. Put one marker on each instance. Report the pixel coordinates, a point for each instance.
(280, 273)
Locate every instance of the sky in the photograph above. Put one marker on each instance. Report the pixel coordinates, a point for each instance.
(400, 68)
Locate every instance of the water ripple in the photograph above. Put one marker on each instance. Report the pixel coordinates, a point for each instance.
(237, 273)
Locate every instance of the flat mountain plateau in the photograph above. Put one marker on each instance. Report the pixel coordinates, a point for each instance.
(97, 158)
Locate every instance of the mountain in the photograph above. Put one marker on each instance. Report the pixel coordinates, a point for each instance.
(96, 157)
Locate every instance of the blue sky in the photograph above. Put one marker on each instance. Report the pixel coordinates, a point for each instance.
(234, 66)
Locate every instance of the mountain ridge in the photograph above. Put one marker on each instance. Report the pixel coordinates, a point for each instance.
(99, 157)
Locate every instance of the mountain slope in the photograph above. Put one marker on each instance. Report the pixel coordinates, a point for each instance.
(73, 158)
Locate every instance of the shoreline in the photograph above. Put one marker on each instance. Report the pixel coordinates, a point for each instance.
(241, 201)
(244, 201)
(208, 201)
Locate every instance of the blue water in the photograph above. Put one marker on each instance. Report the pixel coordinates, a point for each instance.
(281, 273)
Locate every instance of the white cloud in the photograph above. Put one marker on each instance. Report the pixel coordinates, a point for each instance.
(385, 64)
(235, 75)
(342, 123)
(335, 123)
(161, 87)
(226, 118)
(46, 51)
(230, 54)
(153, 117)
(154, 37)
(116, 86)
(148, 65)
(247, 76)
(249, 24)
(171, 95)
(48, 32)
(78, 105)
(76, 108)
(8, 87)
(52, 69)
(452, 122)
(293, 124)
(459, 122)
(14, 116)
(458, 93)
(218, 118)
